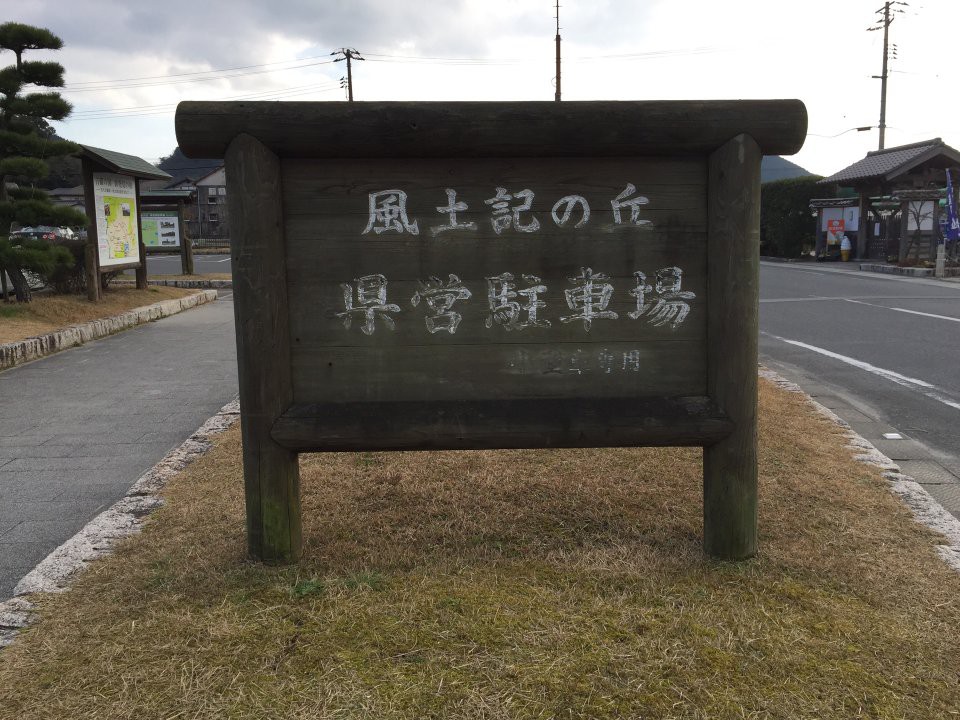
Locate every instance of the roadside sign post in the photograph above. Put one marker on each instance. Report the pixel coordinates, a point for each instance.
(164, 227)
(111, 184)
(495, 275)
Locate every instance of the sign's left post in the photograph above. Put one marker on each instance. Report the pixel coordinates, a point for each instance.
(90, 254)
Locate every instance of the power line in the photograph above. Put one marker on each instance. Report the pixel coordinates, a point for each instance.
(193, 80)
(236, 72)
(198, 72)
(245, 96)
(149, 110)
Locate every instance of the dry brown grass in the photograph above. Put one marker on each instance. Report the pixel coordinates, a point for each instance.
(512, 584)
(48, 313)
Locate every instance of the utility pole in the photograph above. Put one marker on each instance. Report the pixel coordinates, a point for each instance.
(884, 24)
(557, 95)
(348, 54)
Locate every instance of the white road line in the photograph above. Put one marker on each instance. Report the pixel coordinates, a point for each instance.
(922, 386)
(224, 260)
(904, 310)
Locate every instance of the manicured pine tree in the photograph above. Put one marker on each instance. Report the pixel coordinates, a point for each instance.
(26, 142)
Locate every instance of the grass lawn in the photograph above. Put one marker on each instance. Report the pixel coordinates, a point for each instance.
(47, 312)
(511, 584)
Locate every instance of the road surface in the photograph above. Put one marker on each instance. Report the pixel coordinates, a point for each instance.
(882, 351)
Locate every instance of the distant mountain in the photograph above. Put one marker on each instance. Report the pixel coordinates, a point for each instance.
(774, 167)
(179, 166)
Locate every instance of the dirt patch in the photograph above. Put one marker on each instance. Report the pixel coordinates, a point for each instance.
(48, 313)
(512, 584)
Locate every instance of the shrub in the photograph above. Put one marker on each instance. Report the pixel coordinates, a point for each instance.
(785, 221)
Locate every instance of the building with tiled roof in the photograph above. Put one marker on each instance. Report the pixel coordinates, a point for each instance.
(897, 193)
(886, 166)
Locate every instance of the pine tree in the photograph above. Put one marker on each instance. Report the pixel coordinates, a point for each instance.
(26, 143)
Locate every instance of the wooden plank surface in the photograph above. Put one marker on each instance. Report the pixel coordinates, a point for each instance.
(733, 292)
(490, 129)
(567, 422)
(336, 355)
(490, 371)
(271, 472)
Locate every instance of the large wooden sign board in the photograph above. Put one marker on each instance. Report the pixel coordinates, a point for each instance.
(495, 275)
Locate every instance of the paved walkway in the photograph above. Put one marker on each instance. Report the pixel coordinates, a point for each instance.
(78, 428)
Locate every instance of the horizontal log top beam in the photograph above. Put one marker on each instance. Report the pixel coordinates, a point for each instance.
(490, 129)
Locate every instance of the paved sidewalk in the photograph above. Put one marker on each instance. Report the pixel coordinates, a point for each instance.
(78, 428)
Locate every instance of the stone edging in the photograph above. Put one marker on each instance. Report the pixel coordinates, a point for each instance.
(215, 284)
(926, 510)
(97, 538)
(21, 351)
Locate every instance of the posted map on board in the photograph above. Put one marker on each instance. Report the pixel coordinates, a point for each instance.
(115, 204)
(161, 228)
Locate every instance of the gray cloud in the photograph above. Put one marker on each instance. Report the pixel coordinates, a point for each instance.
(234, 33)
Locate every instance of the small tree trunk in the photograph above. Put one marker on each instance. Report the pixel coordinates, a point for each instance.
(3, 284)
(21, 287)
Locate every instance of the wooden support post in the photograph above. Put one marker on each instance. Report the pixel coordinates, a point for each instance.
(904, 230)
(141, 248)
(271, 473)
(186, 246)
(733, 282)
(91, 253)
(937, 248)
(863, 225)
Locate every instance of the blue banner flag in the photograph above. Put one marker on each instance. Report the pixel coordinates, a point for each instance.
(953, 222)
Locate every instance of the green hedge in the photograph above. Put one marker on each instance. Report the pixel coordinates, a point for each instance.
(786, 224)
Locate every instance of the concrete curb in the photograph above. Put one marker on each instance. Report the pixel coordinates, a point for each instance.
(926, 510)
(215, 284)
(908, 271)
(124, 518)
(17, 353)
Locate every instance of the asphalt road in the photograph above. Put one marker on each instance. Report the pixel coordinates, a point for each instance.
(882, 351)
(79, 427)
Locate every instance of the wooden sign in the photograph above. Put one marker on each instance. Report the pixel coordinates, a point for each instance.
(495, 275)
(111, 183)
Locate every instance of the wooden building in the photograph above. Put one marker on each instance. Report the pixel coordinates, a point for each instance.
(897, 193)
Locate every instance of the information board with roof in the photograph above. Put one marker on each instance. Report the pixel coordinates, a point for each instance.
(114, 237)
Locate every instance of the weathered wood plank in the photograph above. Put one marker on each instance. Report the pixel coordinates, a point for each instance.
(490, 129)
(733, 281)
(614, 369)
(186, 244)
(319, 254)
(325, 324)
(342, 186)
(476, 425)
(271, 472)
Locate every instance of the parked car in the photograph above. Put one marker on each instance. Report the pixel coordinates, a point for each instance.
(58, 235)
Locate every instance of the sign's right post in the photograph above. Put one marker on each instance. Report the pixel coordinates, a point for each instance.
(733, 281)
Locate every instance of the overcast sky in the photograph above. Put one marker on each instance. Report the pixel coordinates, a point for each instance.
(129, 63)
